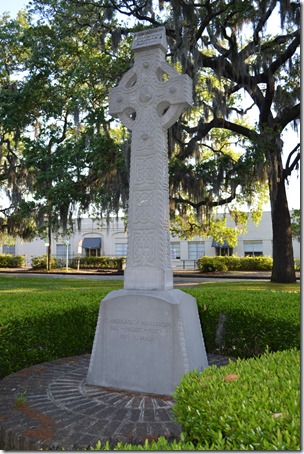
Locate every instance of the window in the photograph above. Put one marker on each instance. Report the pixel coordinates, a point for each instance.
(121, 249)
(223, 251)
(175, 250)
(253, 248)
(196, 249)
(61, 251)
(8, 249)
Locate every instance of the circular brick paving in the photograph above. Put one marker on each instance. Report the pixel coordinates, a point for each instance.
(62, 411)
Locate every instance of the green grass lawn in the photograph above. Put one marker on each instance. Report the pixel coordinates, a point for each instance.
(24, 291)
(17, 284)
(255, 285)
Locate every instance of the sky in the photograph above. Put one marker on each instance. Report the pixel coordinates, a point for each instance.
(290, 139)
(12, 6)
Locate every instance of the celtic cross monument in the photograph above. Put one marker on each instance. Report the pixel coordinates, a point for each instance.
(148, 105)
(148, 335)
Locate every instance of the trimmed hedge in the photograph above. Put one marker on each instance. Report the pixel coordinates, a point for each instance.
(208, 264)
(245, 322)
(85, 262)
(247, 405)
(46, 326)
(102, 262)
(37, 326)
(10, 261)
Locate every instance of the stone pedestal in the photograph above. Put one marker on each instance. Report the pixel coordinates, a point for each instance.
(146, 340)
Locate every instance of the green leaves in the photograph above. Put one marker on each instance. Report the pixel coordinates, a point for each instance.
(244, 323)
(258, 410)
(9, 261)
(28, 304)
(233, 263)
(55, 142)
(296, 224)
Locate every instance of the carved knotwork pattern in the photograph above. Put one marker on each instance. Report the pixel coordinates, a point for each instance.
(145, 171)
(144, 250)
(144, 206)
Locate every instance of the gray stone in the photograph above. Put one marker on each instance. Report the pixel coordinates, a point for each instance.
(148, 335)
(148, 100)
(146, 340)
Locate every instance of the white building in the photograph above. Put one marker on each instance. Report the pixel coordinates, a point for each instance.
(94, 239)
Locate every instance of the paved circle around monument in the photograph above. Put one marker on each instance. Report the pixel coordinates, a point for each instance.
(62, 411)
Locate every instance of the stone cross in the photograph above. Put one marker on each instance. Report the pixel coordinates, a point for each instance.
(148, 100)
(148, 326)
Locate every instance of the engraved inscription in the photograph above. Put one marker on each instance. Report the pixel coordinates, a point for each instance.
(138, 330)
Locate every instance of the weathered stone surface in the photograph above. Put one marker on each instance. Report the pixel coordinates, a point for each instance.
(148, 100)
(148, 335)
(146, 340)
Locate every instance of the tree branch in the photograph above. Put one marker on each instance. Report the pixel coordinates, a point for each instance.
(204, 128)
(265, 111)
(63, 135)
(290, 167)
(263, 21)
(205, 202)
(291, 49)
(288, 115)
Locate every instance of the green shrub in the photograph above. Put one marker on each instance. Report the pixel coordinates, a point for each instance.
(99, 262)
(46, 326)
(10, 261)
(232, 262)
(256, 263)
(85, 262)
(247, 405)
(297, 264)
(244, 322)
(59, 263)
(45, 319)
(40, 263)
(208, 264)
(162, 444)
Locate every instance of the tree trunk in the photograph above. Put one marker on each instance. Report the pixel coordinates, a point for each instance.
(283, 262)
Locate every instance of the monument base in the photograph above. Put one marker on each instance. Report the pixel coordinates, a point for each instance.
(146, 340)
